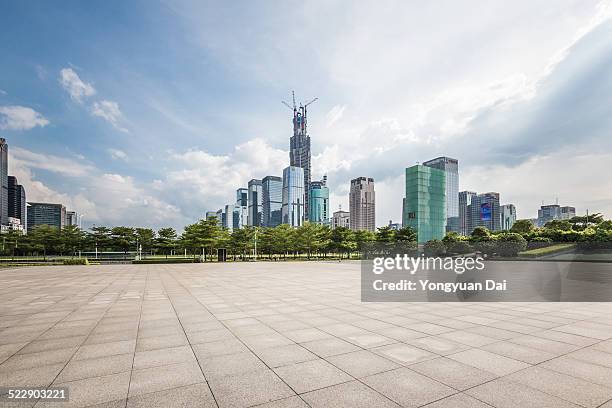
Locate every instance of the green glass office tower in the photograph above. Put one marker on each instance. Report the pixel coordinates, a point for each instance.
(319, 202)
(425, 202)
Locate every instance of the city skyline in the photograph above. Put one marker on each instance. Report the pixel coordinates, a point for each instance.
(171, 142)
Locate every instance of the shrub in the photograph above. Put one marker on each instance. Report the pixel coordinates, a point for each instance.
(480, 234)
(458, 247)
(510, 244)
(434, 247)
(485, 247)
(76, 261)
(539, 242)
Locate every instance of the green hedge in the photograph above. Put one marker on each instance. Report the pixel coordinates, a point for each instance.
(76, 261)
(166, 261)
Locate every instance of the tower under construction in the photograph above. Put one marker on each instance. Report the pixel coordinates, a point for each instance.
(299, 145)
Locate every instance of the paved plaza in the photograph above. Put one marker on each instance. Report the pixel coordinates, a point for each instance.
(292, 334)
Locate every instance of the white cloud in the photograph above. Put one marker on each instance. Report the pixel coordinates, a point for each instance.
(76, 88)
(3, 92)
(64, 166)
(117, 154)
(20, 118)
(109, 111)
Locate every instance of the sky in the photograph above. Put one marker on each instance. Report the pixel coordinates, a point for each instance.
(150, 113)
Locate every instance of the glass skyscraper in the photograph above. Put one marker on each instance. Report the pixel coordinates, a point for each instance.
(16, 200)
(425, 202)
(242, 197)
(255, 203)
(272, 190)
(484, 212)
(508, 216)
(299, 147)
(293, 196)
(3, 182)
(47, 214)
(451, 168)
(319, 202)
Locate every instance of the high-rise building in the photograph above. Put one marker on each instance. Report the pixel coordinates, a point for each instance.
(362, 204)
(396, 226)
(465, 199)
(16, 200)
(255, 203)
(46, 214)
(552, 212)
(4, 200)
(451, 168)
(299, 147)
(211, 214)
(341, 219)
(72, 218)
(484, 212)
(319, 202)
(425, 202)
(220, 215)
(242, 197)
(293, 196)
(272, 190)
(508, 216)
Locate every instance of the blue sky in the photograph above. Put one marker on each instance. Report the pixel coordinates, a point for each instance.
(151, 113)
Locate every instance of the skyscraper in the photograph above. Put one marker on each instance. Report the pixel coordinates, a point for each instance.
(242, 197)
(272, 190)
(554, 212)
(16, 200)
(255, 203)
(484, 212)
(3, 182)
(319, 202)
(299, 146)
(46, 214)
(451, 168)
(293, 196)
(465, 199)
(425, 202)
(362, 204)
(508, 216)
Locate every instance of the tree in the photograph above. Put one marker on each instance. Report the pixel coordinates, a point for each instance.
(385, 234)
(362, 237)
(282, 238)
(100, 238)
(308, 237)
(72, 238)
(342, 240)
(522, 227)
(242, 240)
(561, 225)
(406, 234)
(166, 240)
(44, 238)
(434, 248)
(480, 234)
(145, 238)
(123, 239)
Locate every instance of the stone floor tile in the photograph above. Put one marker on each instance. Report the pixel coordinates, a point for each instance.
(362, 363)
(453, 373)
(506, 394)
(491, 362)
(311, 375)
(351, 394)
(192, 396)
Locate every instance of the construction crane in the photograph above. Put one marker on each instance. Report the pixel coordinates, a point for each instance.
(294, 105)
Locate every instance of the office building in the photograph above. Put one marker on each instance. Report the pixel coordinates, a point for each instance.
(4, 199)
(425, 202)
(341, 219)
(362, 204)
(242, 197)
(465, 199)
(319, 202)
(552, 212)
(14, 224)
(451, 168)
(255, 211)
(220, 215)
(16, 201)
(46, 214)
(484, 211)
(293, 196)
(211, 214)
(299, 148)
(72, 218)
(508, 216)
(272, 202)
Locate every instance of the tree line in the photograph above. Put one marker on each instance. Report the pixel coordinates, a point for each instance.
(204, 237)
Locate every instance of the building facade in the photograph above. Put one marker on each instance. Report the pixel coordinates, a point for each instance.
(272, 190)
(425, 202)
(46, 214)
(341, 219)
(242, 197)
(255, 203)
(451, 167)
(362, 204)
(552, 212)
(508, 216)
(4, 188)
(465, 199)
(484, 211)
(319, 202)
(299, 148)
(72, 218)
(293, 196)
(16, 201)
